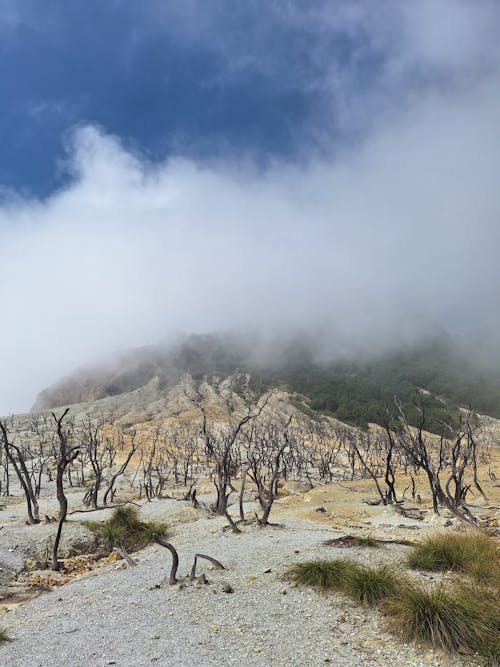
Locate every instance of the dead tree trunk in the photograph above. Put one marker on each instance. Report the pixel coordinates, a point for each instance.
(66, 456)
(119, 472)
(419, 452)
(172, 579)
(220, 449)
(19, 464)
(275, 471)
(242, 492)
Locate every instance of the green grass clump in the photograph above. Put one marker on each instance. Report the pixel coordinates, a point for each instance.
(322, 574)
(364, 584)
(4, 637)
(125, 529)
(472, 553)
(488, 645)
(457, 618)
(369, 585)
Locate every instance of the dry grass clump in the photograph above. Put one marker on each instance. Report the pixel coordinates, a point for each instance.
(364, 584)
(125, 529)
(322, 574)
(459, 616)
(474, 554)
(462, 615)
(455, 617)
(369, 585)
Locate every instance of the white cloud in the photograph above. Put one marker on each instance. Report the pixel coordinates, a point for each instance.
(401, 228)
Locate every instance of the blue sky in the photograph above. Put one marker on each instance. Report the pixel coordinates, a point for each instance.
(127, 67)
(171, 166)
(267, 78)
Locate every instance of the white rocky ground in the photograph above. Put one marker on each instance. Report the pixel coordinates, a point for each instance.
(115, 615)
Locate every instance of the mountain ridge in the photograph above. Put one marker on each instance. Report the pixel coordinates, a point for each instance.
(437, 374)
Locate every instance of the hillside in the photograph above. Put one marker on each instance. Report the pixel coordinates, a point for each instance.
(145, 408)
(440, 375)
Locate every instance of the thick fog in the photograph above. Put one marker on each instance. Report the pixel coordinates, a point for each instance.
(378, 237)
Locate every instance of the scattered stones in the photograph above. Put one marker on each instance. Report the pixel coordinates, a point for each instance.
(373, 503)
(179, 586)
(410, 512)
(202, 627)
(202, 580)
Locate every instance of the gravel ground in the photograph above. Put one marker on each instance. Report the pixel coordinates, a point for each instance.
(118, 616)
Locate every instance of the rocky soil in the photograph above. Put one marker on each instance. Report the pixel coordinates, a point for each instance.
(131, 617)
(103, 613)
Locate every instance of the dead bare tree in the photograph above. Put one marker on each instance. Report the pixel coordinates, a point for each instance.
(220, 448)
(182, 445)
(361, 447)
(66, 455)
(155, 465)
(109, 493)
(5, 480)
(325, 448)
(41, 450)
(17, 459)
(416, 445)
(386, 454)
(463, 459)
(92, 441)
(172, 578)
(270, 440)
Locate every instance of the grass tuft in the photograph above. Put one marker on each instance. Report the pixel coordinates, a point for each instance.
(124, 528)
(322, 574)
(370, 585)
(474, 554)
(4, 637)
(457, 618)
(364, 584)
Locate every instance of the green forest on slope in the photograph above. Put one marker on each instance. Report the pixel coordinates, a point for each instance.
(438, 375)
(435, 377)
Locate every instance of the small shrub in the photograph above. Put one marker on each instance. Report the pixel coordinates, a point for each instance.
(323, 574)
(472, 553)
(153, 529)
(4, 637)
(453, 617)
(370, 585)
(112, 534)
(124, 528)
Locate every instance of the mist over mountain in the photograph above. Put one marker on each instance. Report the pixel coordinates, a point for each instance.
(273, 167)
(442, 372)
